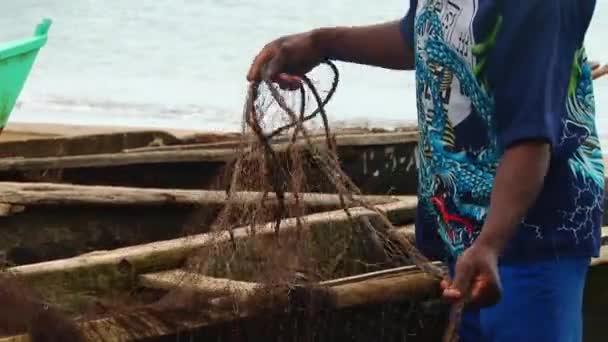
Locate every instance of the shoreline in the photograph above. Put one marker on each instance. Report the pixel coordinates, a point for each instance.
(21, 131)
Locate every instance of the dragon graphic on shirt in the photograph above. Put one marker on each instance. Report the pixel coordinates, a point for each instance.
(455, 183)
(586, 162)
(579, 127)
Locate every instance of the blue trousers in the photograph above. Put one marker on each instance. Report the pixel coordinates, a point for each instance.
(542, 302)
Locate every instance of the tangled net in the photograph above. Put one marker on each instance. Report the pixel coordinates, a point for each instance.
(297, 256)
(268, 241)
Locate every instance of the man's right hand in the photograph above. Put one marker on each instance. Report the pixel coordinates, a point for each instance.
(598, 70)
(286, 59)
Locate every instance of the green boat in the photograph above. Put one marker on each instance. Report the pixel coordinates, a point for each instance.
(16, 61)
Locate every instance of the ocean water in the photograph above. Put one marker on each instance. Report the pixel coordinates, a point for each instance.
(182, 63)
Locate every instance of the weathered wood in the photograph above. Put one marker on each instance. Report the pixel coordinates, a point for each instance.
(404, 284)
(215, 287)
(119, 159)
(376, 168)
(114, 159)
(411, 286)
(363, 139)
(57, 194)
(408, 232)
(7, 209)
(84, 144)
(49, 232)
(64, 221)
(85, 270)
(179, 278)
(151, 324)
(178, 153)
(602, 259)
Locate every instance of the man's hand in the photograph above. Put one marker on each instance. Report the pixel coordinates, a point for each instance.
(598, 70)
(476, 278)
(286, 58)
(518, 182)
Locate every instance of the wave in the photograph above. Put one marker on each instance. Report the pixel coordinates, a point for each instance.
(92, 106)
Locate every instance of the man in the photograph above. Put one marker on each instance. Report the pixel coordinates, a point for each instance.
(511, 178)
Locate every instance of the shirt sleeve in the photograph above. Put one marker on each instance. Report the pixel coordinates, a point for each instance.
(407, 24)
(529, 70)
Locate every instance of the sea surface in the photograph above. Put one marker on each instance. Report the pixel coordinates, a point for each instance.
(182, 63)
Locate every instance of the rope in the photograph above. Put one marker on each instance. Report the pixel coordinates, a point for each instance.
(330, 165)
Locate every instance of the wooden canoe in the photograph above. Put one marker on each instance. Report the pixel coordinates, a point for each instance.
(379, 163)
(357, 303)
(42, 221)
(86, 279)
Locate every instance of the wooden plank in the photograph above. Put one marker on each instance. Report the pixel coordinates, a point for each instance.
(389, 285)
(215, 287)
(25, 194)
(115, 159)
(602, 259)
(407, 284)
(155, 155)
(84, 144)
(151, 324)
(354, 140)
(408, 232)
(169, 254)
(8, 209)
(414, 285)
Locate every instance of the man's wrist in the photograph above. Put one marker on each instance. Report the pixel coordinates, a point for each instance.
(324, 40)
(488, 240)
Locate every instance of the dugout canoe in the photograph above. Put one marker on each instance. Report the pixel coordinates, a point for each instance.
(367, 303)
(379, 163)
(85, 280)
(45, 221)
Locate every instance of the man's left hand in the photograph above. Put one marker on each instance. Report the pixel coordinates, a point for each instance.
(476, 279)
(598, 70)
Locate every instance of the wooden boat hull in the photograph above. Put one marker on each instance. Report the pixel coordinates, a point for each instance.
(106, 274)
(41, 222)
(365, 305)
(378, 163)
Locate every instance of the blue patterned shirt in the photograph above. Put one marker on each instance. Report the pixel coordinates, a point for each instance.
(489, 74)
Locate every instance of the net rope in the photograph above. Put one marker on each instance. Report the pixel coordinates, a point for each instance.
(293, 260)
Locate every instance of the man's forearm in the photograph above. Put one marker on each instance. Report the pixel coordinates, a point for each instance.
(379, 45)
(519, 180)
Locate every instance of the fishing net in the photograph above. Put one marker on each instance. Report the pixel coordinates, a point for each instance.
(269, 242)
(277, 259)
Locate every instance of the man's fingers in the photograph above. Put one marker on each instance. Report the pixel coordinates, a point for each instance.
(485, 292)
(274, 67)
(594, 65)
(463, 277)
(255, 72)
(459, 288)
(445, 284)
(600, 71)
(452, 295)
(288, 82)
